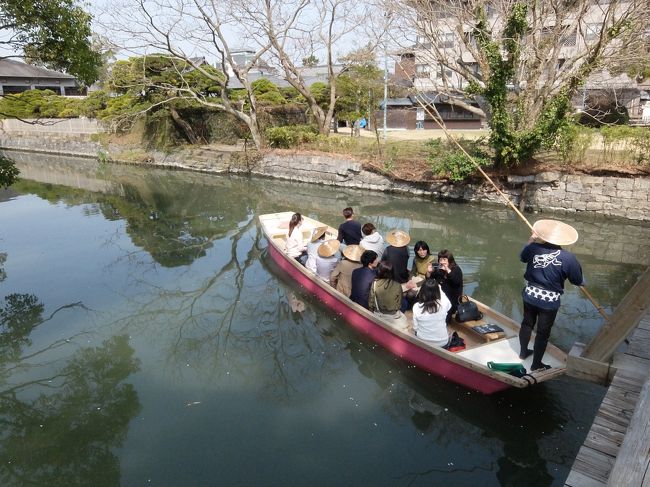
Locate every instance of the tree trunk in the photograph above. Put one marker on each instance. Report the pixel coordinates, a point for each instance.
(185, 127)
(256, 135)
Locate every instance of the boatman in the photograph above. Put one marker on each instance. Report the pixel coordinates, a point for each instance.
(548, 265)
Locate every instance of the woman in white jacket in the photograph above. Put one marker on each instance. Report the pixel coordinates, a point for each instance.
(372, 240)
(295, 245)
(430, 314)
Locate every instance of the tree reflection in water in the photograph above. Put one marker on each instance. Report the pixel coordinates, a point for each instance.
(222, 326)
(60, 424)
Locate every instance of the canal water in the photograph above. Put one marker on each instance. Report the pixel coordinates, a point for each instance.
(147, 339)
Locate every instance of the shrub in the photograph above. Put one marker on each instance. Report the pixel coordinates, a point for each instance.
(572, 142)
(290, 135)
(94, 104)
(28, 104)
(640, 142)
(614, 138)
(446, 159)
(39, 104)
(266, 92)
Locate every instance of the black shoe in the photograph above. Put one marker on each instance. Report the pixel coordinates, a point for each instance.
(539, 368)
(525, 354)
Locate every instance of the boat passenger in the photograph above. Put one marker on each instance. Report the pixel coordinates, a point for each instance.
(341, 277)
(295, 246)
(363, 278)
(548, 265)
(317, 238)
(430, 314)
(350, 229)
(421, 260)
(327, 259)
(397, 254)
(385, 298)
(372, 240)
(450, 277)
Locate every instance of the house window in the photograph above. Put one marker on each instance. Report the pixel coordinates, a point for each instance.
(446, 40)
(560, 63)
(474, 68)
(440, 11)
(592, 31)
(443, 72)
(568, 38)
(422, 70)
(470, 39)
(14, 89)
(423, 42)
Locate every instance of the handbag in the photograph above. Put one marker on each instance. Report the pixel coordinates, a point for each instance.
(467, 310)
(455, 343)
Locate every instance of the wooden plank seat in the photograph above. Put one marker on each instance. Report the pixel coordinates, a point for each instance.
(468, 327)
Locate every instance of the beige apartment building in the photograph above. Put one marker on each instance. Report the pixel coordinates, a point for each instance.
(441, 61)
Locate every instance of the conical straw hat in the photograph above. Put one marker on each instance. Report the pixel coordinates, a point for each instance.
(318, 233)
(398, 238)
(329, 247)
(555, 232)
(353, 252)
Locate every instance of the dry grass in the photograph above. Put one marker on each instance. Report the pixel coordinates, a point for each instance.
(404, 156)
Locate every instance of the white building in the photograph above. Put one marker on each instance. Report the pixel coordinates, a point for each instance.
(443, 57)
(16, 77)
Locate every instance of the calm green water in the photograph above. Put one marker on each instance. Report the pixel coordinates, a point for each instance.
(146, 339)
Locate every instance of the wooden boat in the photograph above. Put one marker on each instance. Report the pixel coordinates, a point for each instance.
(467, 367)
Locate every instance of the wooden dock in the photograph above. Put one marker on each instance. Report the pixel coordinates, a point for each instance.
(616, 451)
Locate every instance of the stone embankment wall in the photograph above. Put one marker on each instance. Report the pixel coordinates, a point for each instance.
(612, 196)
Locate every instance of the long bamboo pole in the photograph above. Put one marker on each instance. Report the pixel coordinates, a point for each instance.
(438, 119)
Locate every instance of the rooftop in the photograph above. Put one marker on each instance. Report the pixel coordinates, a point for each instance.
(15, 69)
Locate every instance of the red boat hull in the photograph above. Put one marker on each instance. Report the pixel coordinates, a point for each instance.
(404, 349)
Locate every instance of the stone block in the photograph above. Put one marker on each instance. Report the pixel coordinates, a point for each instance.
(625, 184)
(609, 190)
(624, 194)
(610, 182)
(592, 181)
(574, 187)
(594, 206)
(521, 179)
(610, 207)
(642, 184)
(634, 214)
(547, 177)
(579, 205)
(600, 198)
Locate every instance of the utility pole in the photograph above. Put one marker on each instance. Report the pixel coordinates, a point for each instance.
(385, 88)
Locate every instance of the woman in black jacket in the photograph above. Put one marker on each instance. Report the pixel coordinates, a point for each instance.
(450, 278)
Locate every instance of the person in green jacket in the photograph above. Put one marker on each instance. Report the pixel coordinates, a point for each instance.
(421, 260)
(386, 297)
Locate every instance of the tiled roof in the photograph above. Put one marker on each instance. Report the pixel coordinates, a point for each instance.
(397, 102)
(234, 83)
(15, 69)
